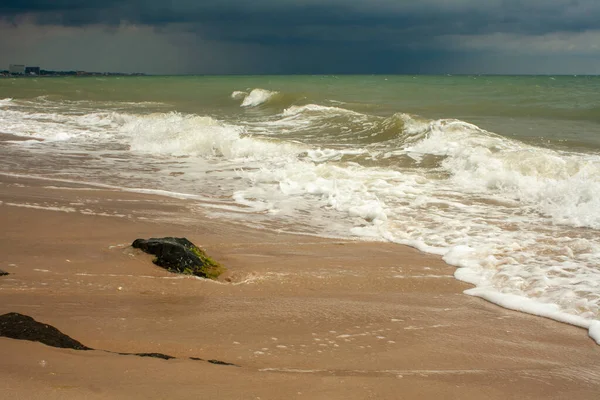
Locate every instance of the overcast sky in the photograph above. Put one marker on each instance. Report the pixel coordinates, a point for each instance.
(303, 36)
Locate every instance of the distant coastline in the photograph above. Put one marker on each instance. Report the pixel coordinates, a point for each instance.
(50, 73)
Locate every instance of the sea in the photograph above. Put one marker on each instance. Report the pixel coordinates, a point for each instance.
(499, 175)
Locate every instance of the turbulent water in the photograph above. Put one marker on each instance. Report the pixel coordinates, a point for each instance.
(499, 175)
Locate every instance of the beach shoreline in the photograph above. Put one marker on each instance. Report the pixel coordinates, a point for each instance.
(301, 316)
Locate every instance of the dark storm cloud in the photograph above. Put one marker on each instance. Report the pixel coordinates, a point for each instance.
(426, 17)
(359, 36)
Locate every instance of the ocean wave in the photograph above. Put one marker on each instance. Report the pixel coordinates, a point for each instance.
(317, 109)
(256, 97)
(6, 102)
(54, 126)
(192, 135)
(313, 120)
(267, 99)
(238, 95)
(342, 124)
(396, 131)
(562, 185)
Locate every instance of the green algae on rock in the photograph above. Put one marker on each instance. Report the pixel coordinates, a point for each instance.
(179, 255)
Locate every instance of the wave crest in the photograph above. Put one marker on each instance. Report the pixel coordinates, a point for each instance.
(256, 97)
(316, 109)
(192, 135)
(564, 186)
(238, 95)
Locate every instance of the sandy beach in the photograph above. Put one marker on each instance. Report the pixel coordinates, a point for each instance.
(300, 316)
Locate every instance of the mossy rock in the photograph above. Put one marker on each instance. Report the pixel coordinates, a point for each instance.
(181, 256)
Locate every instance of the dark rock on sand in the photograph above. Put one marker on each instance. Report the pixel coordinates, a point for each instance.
(217, 362)
(2, 273)
(153, 355)
(181, 256)
(23, 327)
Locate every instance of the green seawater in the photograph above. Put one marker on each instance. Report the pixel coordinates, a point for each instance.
(555, 111)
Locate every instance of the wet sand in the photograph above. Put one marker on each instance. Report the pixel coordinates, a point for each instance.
(303, 317)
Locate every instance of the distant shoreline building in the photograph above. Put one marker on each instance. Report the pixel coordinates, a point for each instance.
(32, 70)
(20, 70)
(16, 69)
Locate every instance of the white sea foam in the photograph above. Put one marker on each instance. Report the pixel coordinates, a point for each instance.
(52, 126)
(315, 108)
(530, 306)
(185, 135)
(594, 331)
(5, 102)
(564, 186)
(238, 95)
(257, 97)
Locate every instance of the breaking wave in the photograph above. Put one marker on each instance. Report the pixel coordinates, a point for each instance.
(191, 135)
(266, 99)
(256, 97)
